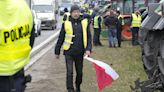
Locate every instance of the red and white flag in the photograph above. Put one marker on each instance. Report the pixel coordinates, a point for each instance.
(105, 74)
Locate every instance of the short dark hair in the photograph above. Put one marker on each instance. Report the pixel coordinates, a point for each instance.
(118, 12)
(74, 7)
(65, 10)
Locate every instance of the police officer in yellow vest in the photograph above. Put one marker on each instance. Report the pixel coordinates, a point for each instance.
(97, 22)
(135, 25)
(16, 24)
(85, 5)
(66, 14)
(75, 37)
(119, 27)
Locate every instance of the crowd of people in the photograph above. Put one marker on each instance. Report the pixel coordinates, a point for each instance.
(111, 19)
(75, 36)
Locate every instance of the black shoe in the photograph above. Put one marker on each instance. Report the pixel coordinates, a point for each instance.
(77, 91)
(114, 46)
(70, 90)
(100, 44)
(95, 44)
(119, 45)
(77, 88)
(110, 46)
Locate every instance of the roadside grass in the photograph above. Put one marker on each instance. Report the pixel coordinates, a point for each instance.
(125, 60)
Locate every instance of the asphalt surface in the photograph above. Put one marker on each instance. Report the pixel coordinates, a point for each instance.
(48, 74)
(44, 35)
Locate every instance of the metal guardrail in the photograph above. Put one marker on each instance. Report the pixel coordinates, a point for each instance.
(40, 47)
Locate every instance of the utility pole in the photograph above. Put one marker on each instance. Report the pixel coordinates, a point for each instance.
(146, 3)
(123, 6)
(133, 5)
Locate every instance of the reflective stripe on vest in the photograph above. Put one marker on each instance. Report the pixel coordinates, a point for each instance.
(15, 28)
(95, 25)
(136, 22)
(69, 33)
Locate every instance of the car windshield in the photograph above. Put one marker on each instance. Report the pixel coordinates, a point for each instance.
(43, 8)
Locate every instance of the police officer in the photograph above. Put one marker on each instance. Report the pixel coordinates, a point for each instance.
(119, 27)
(16, 40)
(97, 22)
(135, 25)
(85, 5)
(75, 37)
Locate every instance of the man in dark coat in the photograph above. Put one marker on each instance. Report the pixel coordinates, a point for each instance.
(75, 37)
(119, 28)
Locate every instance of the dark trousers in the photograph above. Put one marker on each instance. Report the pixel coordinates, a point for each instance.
(13, 83)
(119, 30)
(96, 36)
(70, 60)
(135, 35)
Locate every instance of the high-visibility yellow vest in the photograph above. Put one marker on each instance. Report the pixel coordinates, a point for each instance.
(120, 16)
(85, 5)
(67, 15)
(96, 25)
(136, 22)
(15, 29)
(90, 11)
(69, 33)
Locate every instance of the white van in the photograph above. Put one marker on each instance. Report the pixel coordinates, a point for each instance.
(46, 12)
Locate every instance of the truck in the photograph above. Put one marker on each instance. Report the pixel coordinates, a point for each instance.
(46, 11)
(151, 39)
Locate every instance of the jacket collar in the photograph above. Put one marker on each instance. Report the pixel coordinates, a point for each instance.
(75, 20)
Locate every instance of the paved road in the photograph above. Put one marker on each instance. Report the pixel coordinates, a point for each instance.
(44, 35)
(48, 74)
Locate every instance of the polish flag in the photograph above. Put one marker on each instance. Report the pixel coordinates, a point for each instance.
(105, 74)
